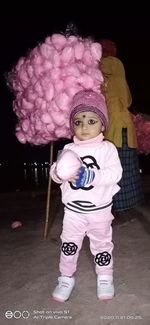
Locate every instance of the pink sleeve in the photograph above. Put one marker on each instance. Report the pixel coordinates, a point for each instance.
(111, 173)
(53, 174)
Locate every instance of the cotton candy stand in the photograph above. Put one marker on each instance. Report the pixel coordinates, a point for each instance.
(44, 83)
(48, 195)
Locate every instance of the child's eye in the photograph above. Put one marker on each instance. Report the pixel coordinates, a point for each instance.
(91, 121)
(77, 122)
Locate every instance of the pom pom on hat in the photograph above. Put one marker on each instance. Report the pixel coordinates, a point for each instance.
(89, 100)
(68, 164)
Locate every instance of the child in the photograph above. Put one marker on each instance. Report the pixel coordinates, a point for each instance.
(87, 194)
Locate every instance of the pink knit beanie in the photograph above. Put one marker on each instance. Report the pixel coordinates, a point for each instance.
(89, 100)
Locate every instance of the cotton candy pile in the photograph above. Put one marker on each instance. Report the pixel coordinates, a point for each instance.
(142, 126)
(45, 82)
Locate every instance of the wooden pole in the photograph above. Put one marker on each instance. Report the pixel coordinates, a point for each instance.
(48, 194)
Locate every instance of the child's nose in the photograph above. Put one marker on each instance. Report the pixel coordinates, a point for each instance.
(84, 125)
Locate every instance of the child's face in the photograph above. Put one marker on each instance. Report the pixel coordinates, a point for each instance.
(87, 125)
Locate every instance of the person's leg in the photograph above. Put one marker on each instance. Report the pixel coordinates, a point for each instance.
(74, 228)
(101, 245)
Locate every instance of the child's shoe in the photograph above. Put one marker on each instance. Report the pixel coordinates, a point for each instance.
(64, 288)
(105, 287)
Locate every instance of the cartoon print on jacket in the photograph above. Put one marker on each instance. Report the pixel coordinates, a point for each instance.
(89, 162)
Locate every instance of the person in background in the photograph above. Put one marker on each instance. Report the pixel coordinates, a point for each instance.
(88, 170)
(121, 130)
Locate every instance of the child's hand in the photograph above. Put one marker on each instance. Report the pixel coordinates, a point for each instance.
(67, 165)
(84, 177)
(75, 177)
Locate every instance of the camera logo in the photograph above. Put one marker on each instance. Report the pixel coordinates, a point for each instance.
(17, 314)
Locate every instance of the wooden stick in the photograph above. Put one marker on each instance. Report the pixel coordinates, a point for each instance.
(48, 194)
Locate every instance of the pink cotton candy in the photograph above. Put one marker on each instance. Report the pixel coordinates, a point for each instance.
(29, 71)
(58, 86)
(86, 81)
(56, 60)
(20, 63)
(16, 224)
(59, 41)
(59, 119)
(68, 165)
(45, 82)
(25, 125)
(48, 40)
(71, 91)
(72, 71)
(23, 75)
(67, 55)
(73, 39)
(26, 104)
(60, 133)
(38, 70)
(55, 74)
(37, 58)
(69, 81)
(87, 58)
(96, 51)
(142, 126)
(49, 92)
(79, 50)
(50, 128)
(31, 95)
(47, 66)
(38, 88)
(38, 124)
(46, 118)
(62, 101)
(46, 51)
(21, 137)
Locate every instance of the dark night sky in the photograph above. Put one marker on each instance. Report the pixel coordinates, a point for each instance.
(19, 34)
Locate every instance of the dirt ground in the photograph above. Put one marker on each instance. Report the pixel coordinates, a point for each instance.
(29, 266)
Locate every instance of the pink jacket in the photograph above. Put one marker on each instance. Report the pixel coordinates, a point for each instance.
(101, 155)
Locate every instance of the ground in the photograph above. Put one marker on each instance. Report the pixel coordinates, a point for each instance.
(29, 266)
